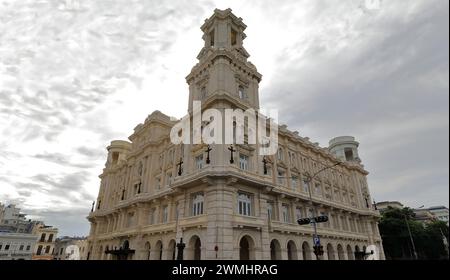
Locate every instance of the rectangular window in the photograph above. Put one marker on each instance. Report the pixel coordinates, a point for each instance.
(244, 204)
(281, 175)
(270, 210)
(158, 183)
(233, 37)
(130, 219)
(310, 213)
(197, 204)
(211, 38)
(6, 247)
(199, 161)
(305, 186)
(152, 216)
(169, 179)
(294, 182)
(243, 162)
(298, 213)
(285, 210)
(317, 189)
(165, 214)
(28, 247)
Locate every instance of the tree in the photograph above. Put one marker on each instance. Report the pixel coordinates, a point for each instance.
(428, 238)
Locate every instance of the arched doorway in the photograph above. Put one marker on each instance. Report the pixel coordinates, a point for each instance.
(292, 250)
(147, 249)
(350, 255)
(275, 250)
(100, 253)
(106, 254)
(246, 248)
(172, 250)
(306, 251)
(158, 250)
(341, 253)
(357, 256)
(330, 252)
(195, 248)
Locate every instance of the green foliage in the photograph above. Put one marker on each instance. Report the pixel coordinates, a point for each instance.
(428, 239)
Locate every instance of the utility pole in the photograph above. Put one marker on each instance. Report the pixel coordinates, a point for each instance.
(318, 251)
(318, 248)
(411, 238)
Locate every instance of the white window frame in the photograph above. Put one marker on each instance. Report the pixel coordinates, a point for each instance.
(199, 161)
(242, 92)
(285, 213)
(306, 186)
(243, 161)
(270, 210)
(165, 214)
(244, 204)
(298, 213)
(197, 204)
(294, 182)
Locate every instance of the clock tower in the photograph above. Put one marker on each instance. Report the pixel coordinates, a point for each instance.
(223, 77)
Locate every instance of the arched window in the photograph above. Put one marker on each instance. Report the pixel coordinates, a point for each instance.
(197, 204)
(292, 250)
(244, 204)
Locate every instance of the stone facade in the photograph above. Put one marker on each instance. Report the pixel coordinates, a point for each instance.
(224, 210)
(45, 245)
(16, 246)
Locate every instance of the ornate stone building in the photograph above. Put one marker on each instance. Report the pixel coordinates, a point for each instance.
(243, 209)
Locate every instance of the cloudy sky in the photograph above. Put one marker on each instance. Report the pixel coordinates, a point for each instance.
(76, 74)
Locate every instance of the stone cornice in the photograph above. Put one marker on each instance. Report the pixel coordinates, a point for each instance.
(215, 54)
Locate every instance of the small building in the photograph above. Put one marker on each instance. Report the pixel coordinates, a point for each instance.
(384, 205)
(440, 212)
(424, 216)
(16, 246)
(70, 248)
(46, 237)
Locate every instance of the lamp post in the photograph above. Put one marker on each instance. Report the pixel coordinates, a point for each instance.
(318, 249)
(410, 235)
(316, 240)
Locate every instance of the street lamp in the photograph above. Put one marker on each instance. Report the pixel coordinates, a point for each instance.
(410, 235)
(318, 249)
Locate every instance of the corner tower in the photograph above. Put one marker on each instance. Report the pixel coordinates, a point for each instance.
(224, 77)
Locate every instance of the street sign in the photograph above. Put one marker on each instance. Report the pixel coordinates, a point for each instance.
(316, 240)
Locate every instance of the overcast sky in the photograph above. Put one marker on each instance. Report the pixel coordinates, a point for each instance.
(75, 75)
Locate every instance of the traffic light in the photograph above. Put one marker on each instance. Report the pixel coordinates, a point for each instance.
(305, 221)
(318, 250)
(321, 219)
